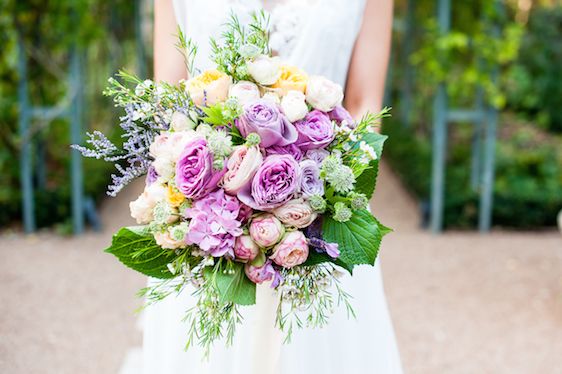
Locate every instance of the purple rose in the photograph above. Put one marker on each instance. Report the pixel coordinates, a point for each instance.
(341, 116)
(274, 183)
(311, 184)
(317, 155)
(151, 175)
(260, 274)
(264, 118)
(315, 131)
(291, 149)
(195, 176)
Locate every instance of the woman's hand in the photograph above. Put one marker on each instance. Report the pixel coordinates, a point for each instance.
(169, 65)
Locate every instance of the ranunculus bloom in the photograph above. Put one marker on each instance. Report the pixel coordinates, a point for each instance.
(296, 213)
(294, 105)
(241, 167)
(341, 116)
(244, 92)
(264, 69)
(315, 131)
(323, 94)
(265, 119)
(245, 249)
(260, 274)
(142, 208)
(291, 78)
(209, 88)
(266, 230)
(291, 149)
(291, 251)
(275, 182)
(311, 184)
(195, 176)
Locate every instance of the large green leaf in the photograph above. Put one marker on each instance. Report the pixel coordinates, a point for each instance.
(366, 182)
(233, 286)
(136, 248)
(376, 141)
(359, 238)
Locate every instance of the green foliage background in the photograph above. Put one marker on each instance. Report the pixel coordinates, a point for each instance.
(527, 52)
(104, 33)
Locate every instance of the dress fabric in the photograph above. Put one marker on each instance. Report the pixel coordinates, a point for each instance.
(318, 36)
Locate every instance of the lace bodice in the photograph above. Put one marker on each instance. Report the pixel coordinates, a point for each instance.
(316, 35)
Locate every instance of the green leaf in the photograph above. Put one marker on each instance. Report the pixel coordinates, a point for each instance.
(359, 238)
(366, 182)
(136, 248)
(233, 286)
(376, 141)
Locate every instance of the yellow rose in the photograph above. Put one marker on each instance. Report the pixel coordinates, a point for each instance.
(291, 79)
(209, 88)
(175, 198)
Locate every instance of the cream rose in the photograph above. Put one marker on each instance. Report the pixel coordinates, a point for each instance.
(244, 92)
(264, 69)
(181, 122)
(142, 208)
(297, 213)
(166, 149)
(291, 251)
(165, 240)
(241, 167)
(209, 88)
(294, 105)
(272, 97)
(323, 94)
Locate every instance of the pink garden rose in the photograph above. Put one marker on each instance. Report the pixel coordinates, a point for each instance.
(296, 213)
(260, 274)
(244, 92)
(245, 249)
(291, 251)
(275, 182)
(241, 167)
(266, 230)
(195, 176)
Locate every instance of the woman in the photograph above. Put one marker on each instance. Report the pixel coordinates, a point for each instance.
(347, 41)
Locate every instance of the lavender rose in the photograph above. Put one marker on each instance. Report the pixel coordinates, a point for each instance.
(315, 131)
(296, 213)
(291, 149)
(245, 249)
(265, 119)
(266, 230)
(317, 155)
(311, 184)
(292, 251)
(195, 176)
(275, 183)
(341, 116)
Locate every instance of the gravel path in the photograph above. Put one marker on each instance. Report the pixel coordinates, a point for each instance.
(461, 302)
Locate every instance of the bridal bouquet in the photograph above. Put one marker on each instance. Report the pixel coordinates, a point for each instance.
(255, 174)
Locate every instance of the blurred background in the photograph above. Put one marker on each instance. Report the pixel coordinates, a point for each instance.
(471, 184)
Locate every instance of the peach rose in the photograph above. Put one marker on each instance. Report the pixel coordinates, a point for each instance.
(297, 213)
(291, 251)
(209, 88)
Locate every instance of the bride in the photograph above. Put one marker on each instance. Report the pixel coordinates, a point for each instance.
(347, 41)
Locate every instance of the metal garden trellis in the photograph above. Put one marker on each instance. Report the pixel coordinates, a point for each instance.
(483, 116)
(70, 108)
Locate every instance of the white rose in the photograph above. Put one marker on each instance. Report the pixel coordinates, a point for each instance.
(142, 208)
(181, 122)
(164, 167)
(294, 105)
(244, 92)
(165, 240)
(323, 94)
(264, 69)
(271, 97)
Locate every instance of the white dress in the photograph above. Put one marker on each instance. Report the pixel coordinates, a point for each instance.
(318, 36)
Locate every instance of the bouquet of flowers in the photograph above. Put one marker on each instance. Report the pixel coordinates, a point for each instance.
(254, 173)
